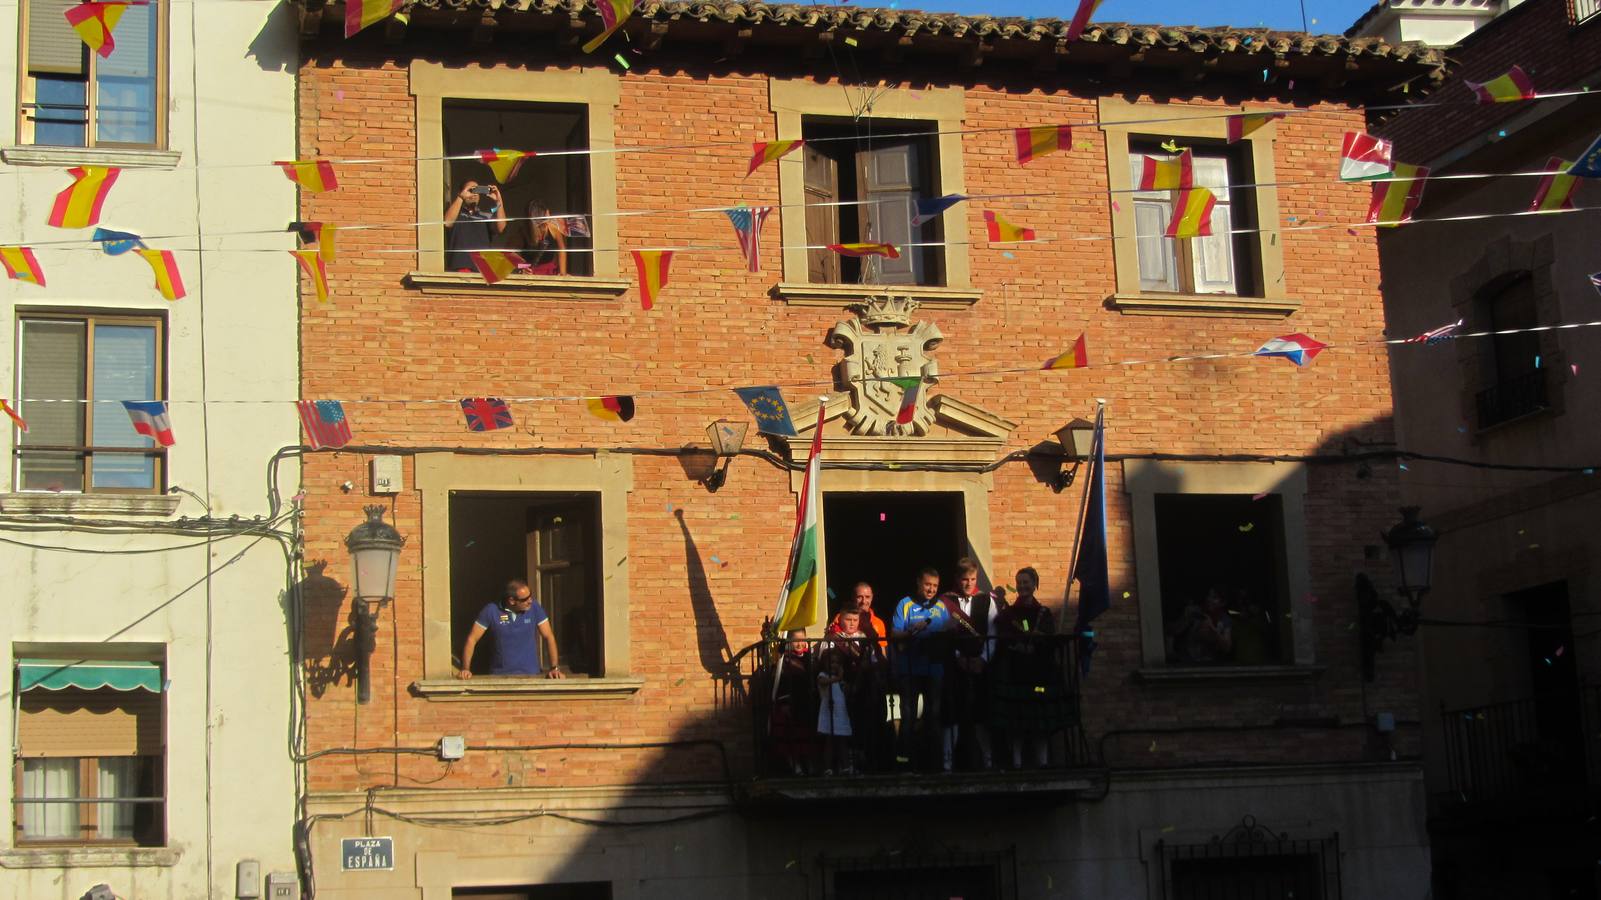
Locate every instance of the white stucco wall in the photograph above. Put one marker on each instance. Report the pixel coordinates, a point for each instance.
(233, 338)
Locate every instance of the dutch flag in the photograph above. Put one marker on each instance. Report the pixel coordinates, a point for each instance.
(150, 419)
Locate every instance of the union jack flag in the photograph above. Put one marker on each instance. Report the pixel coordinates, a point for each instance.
(747, 222)
(486, 413)
(325, 423)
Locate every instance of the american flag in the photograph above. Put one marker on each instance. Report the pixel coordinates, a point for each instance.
(486, 413)
(1436, 335)
(576, 226)
(325, 423)
(748, 228)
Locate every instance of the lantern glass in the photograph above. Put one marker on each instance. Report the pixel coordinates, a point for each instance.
(726, 437)
(374, 569)
(1077, 438)
(1412, 544)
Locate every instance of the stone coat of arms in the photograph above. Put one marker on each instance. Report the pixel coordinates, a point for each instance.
(881, 343)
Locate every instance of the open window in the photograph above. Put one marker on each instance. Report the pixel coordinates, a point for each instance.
(547, 198)
(551, 540)
(73, 372)
(89, 765)
(71, 97)
(863, 189)
(1223, 586)
(1220, 263)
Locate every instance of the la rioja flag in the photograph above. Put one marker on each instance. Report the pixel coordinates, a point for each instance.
(801, 597)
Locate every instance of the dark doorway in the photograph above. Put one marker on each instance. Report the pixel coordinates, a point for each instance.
(977, 882)
(584, 890)
(1553, 676)
(885, 538)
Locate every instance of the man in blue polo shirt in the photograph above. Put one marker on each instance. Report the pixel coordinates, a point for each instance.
(919, 666)
(514, 622)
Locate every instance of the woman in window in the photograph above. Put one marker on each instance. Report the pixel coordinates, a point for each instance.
(547, 240)
(475, 217)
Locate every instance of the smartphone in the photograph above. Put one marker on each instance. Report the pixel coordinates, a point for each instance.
(482, 191)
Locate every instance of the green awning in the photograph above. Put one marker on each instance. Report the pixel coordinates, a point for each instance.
(89, 675)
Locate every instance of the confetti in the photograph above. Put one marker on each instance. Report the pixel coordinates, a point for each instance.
(831, 593)
(790, 864)
(1463, 429)
(1169, 829)
(1351, 231)
(733, 515)
(1153, 747)
(851, 42)
(1261, 495)
(1575, 368)
(1588, 471)
(1403, 467)
(1292, 84)
(621, 61)
(1008, 254)
(1170, 146)
(470, 543)
(1115, 207)
(339, 95)
(669, 507)
(1537, 362)
(1560, 651)
(1247, 527)
(715, 559)
(883, 517)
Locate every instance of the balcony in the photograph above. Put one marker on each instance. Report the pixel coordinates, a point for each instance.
(1514, 397)
(1032, 685)
(1540, 756)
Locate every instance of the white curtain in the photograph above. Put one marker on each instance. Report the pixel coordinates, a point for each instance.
(119, 777)
(49, 778)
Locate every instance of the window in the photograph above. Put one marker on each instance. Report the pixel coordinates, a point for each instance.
(555, 182)
(1221, 263)
(864, 189)
(549, 540)
(89, 755)
(71, 97)
(1222, 566)
(73, 372)
(1517, 385)
(1251, 862)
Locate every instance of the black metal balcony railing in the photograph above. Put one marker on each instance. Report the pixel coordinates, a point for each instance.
(1030, 703)
(1512, 398)
(1584, 10)
(1534, 749)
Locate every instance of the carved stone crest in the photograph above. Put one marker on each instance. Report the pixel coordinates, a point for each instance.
(882, 342)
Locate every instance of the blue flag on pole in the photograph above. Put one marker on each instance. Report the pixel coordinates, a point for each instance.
(1090, 571)
(766, 404)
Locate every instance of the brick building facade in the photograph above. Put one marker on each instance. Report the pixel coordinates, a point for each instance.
(656, 726)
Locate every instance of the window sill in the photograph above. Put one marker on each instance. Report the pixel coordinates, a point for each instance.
(553, 287)
(1179, 675)
(1211, 305)
(87, 857)
(122, 157)
(533, 687)
(836, 295)
(85, 504)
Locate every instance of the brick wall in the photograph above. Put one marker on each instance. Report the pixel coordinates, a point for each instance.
(716, 326)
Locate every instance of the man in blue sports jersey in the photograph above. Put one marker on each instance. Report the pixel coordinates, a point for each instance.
(515, 622)
(918, 665)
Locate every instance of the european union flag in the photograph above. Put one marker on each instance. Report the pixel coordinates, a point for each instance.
(1589, 165)
(766, 404)
(116, 243)
(1091, 569)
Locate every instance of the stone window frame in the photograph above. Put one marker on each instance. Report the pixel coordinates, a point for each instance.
(791, 102)
(599, 90)
(1190, 122)
(1143, 480)
(1503, 257)
(610, 475)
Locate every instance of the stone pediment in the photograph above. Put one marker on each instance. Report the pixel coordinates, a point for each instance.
(959, 434)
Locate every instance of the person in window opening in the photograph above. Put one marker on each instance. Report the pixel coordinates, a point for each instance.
(546, 247)
(792, 719)
(1029, 700)
(1251, 629)
(833, 713)
(476, 217)
(1204, 634)
(874, 709)
(966, 706)
(917, 630)
(515, 621)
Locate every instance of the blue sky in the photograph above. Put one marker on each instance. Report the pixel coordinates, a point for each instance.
(1324, 16)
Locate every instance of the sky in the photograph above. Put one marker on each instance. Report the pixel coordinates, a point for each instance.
(1323, 16)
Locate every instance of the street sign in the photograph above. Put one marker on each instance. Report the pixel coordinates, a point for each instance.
(367, 853)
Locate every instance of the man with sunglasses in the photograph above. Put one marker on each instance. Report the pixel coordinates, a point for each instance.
(515, 622)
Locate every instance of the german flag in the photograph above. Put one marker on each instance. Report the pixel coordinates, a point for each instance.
(612, 409)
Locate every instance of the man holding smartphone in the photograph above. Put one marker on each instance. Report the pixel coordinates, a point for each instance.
(476, 217)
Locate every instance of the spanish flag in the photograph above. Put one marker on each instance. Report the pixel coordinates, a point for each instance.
(1556, 188)
(21, 266)
(1081, 19)
(652, 265)
(360, 14)
(612, 409)
(94, 21)
(168, 280)
(79, 205)
(613, 13)
(323, 234)
(315, 175)
(1176, 174)
(1076, 358)
(1245, 123)
(495, 265)
(311, 263)
(1394, 201)
(889, 250)
(1508, 88)
(1036, 142)
(1192, 214)
(504, 163)
(767, 151)
(1002, 231)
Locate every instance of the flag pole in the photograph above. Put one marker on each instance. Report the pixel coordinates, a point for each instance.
(1084, 506)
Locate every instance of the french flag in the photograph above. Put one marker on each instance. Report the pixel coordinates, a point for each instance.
(150, 419)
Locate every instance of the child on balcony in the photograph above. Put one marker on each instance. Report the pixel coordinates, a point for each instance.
(833, 714)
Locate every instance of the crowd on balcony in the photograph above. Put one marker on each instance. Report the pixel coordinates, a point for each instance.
(963, 679)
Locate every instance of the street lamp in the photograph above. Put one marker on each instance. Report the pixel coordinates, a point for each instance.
(1411, 542)
(727, 438)
(1078, 442)
(374, 547)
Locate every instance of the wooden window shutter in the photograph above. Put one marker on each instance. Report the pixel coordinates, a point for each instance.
(888, 179)
(822, 222)
(74, 722)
